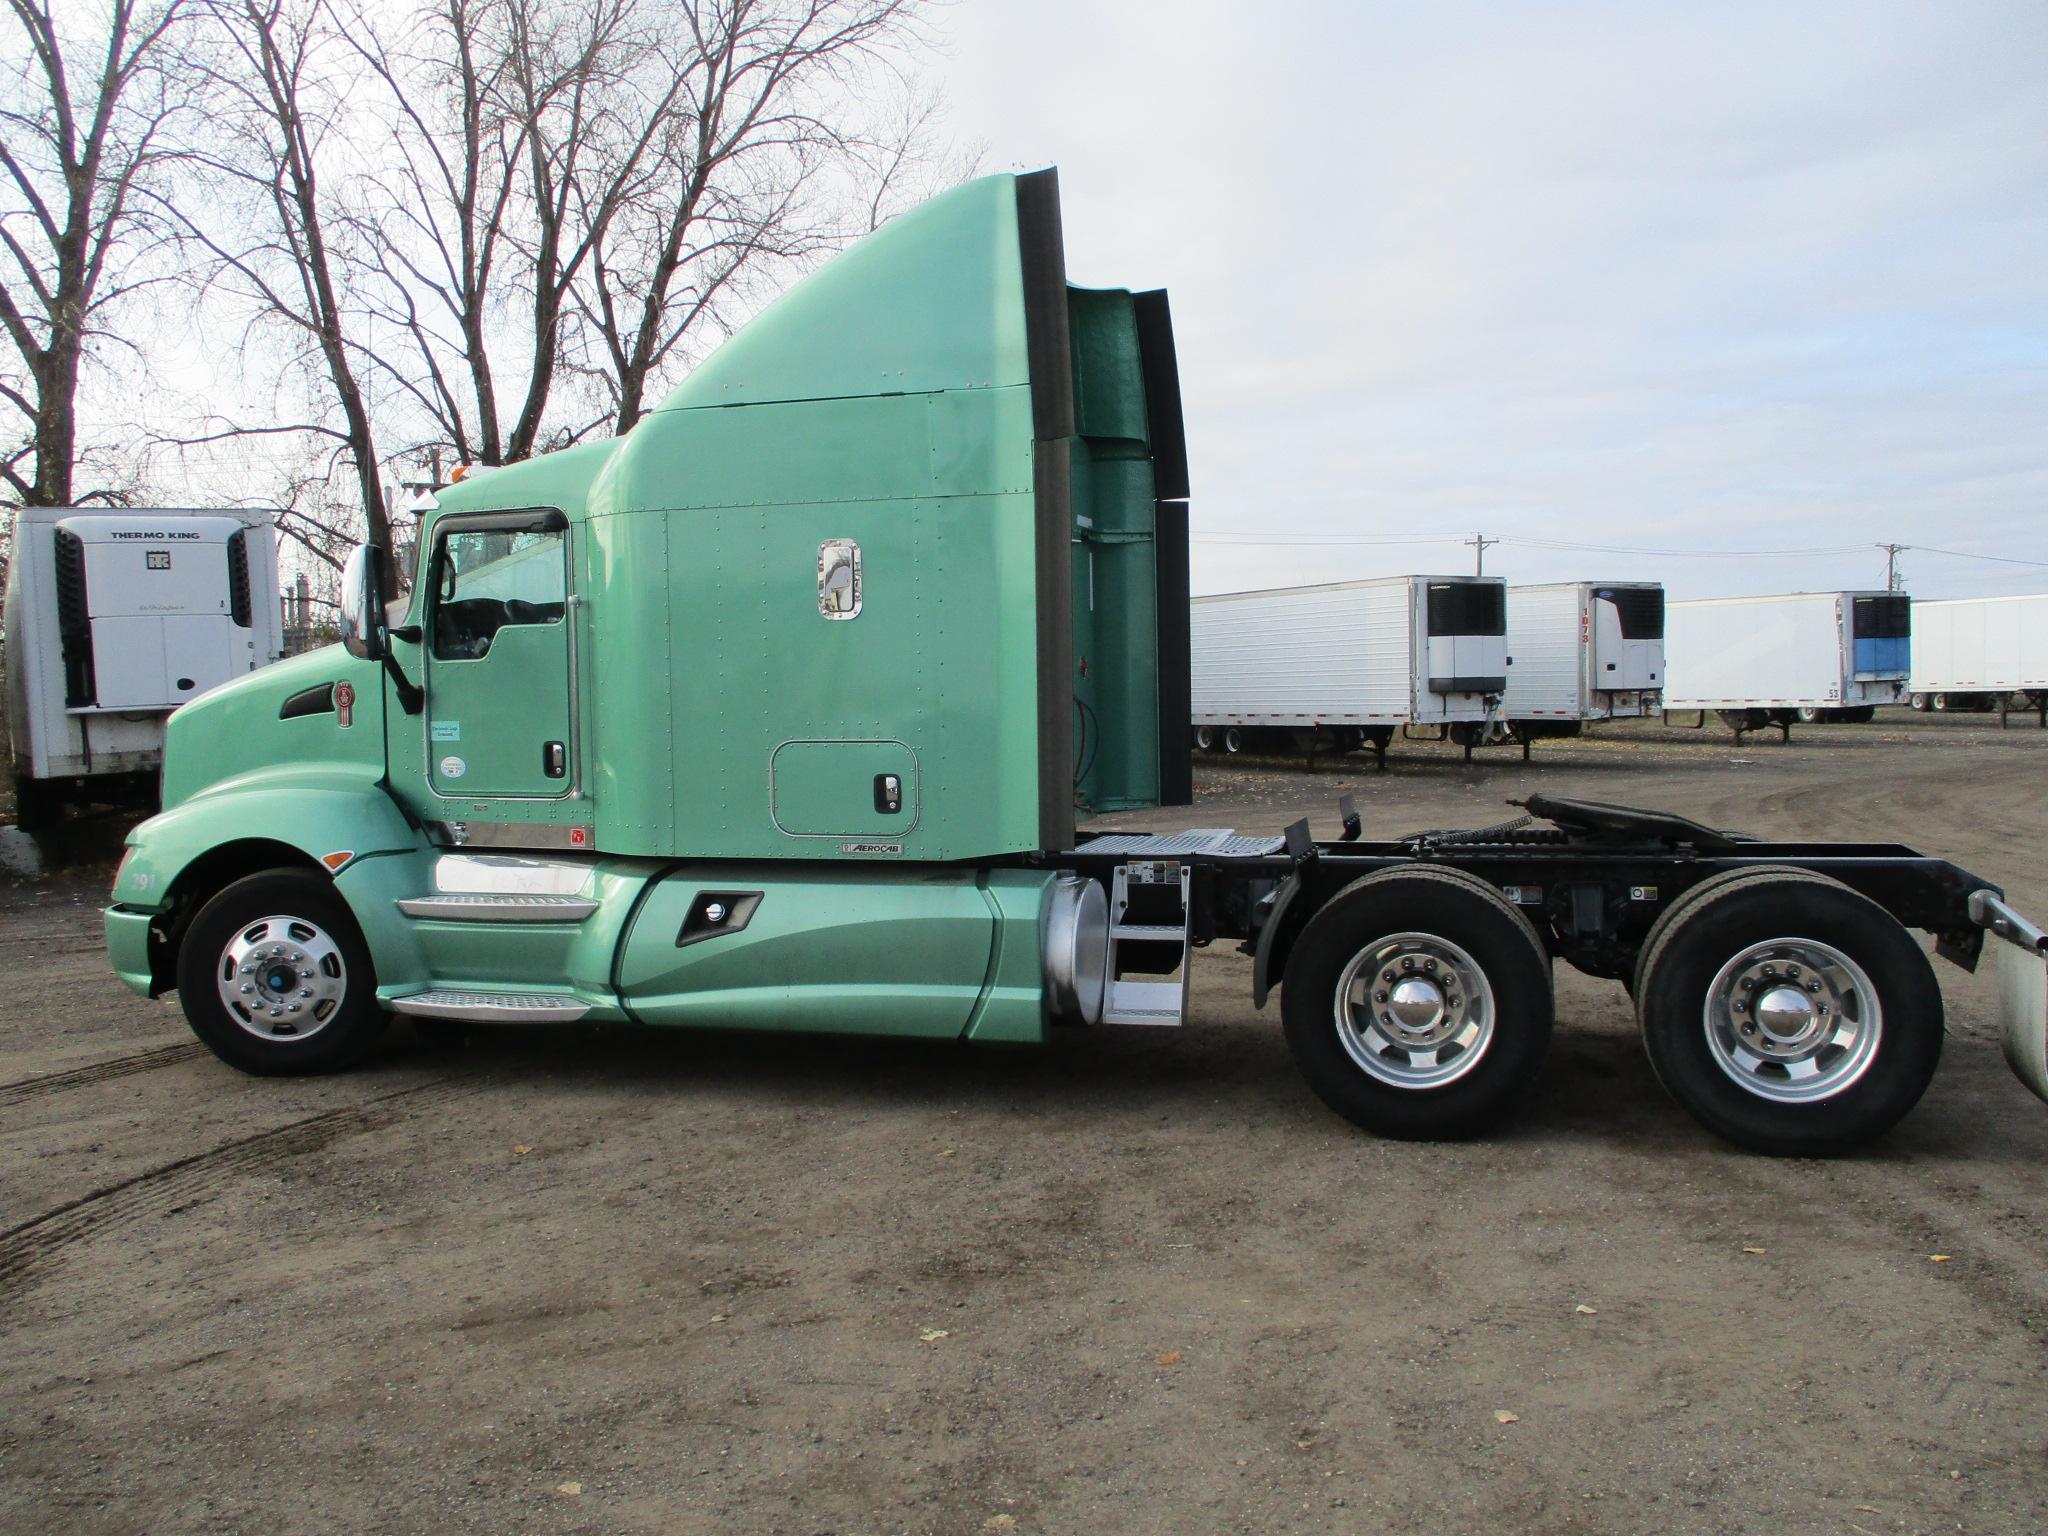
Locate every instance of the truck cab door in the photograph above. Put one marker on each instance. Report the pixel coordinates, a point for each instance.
(498, 653)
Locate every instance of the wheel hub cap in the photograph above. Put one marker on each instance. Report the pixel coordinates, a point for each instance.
(282, 978)
(1416, 1005)
(1793, 1020)
(1786, 1015)
(1414, 1010)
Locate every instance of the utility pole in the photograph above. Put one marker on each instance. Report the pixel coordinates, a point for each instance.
(1894, 579)
(1479, 543)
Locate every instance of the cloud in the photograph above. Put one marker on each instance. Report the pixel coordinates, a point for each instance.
(1743, 276)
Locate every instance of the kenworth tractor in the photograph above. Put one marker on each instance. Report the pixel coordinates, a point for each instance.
(780, 711)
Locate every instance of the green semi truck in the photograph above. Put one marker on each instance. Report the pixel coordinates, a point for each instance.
(781, 711)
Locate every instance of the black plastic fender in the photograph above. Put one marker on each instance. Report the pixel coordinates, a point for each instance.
(1270, 954)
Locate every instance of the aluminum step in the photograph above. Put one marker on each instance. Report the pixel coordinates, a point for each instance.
(495, 1007)
(481, 907)
(1211, 840)
(1145, 1002)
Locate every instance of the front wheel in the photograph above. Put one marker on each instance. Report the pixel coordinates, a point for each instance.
(1417, 1004)
(1788, 1013)
(275, 977)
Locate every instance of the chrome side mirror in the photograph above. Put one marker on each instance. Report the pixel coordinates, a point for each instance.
(363, 621)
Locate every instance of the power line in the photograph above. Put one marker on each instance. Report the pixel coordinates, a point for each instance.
(1965, 554)
(1532, 541)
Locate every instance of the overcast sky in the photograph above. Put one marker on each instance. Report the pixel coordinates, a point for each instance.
(1663, 277)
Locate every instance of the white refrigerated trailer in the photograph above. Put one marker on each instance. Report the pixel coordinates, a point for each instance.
(1980, 653)
(114, 619)
(1759, 661)
(1582, 650)
(1349, 663)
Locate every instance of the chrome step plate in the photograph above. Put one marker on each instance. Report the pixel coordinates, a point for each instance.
(494, 1007)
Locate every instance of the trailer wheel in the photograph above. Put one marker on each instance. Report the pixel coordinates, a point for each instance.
(1918, 701)
(1205, 738)
(1233, 738)
(276, 980)
(1417, 1004)
(1788, 1013)
(1938, 702)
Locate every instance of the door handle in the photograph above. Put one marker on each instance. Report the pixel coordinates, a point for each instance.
(888, 794)
(554, 760)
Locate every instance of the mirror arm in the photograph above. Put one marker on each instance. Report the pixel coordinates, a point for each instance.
(410, 698)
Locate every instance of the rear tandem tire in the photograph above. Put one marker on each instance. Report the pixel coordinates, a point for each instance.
(301, 941)
(1478, 1020)
(1788, 1013)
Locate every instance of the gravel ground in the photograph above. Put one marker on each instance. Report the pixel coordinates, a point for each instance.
(567, 1280)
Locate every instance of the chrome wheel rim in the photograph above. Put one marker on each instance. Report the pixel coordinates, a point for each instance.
(1414, 1011)
(282, 978)
(1793, 1020)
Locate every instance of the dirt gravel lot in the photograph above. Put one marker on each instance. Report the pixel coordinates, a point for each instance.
(613, 1281)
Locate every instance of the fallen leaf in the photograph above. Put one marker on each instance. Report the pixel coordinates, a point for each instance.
(1505, 1417)
(571, 1489)
(1756, 1250)
(1939, 1258)
(1171, 1357)
(521, 1151)
(718, 1317)
(1000, 1523)
(1585, 1311)
(933, 1335)
(948, 1153)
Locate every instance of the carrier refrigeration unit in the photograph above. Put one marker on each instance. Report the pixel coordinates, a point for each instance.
(114, 619)
(1762, 661)
(789, 710)
(1349, 663)
(1582, 650)
(1981, 653)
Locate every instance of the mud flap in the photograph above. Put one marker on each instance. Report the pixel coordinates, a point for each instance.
(2023, 1010)
(2022, 986)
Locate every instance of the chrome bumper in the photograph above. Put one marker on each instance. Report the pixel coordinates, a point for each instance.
(2022, 988)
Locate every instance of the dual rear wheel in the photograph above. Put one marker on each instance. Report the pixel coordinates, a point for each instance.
(1784, 1011)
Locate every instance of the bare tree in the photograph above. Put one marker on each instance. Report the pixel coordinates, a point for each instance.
(576, 184)
(769, 105)
(279, 114)
(82, 136)
(513, 115)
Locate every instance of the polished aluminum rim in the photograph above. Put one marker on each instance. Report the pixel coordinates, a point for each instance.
(282, 978)
(1414, 1011)
(1793, 1020)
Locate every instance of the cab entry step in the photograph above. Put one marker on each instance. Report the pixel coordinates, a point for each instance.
(494, 1007)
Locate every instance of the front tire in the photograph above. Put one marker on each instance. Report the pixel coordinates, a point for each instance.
(1417, 1003)
(276, 980)
(1788, 1013)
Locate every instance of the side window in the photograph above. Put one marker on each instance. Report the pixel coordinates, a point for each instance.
(485, 580)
